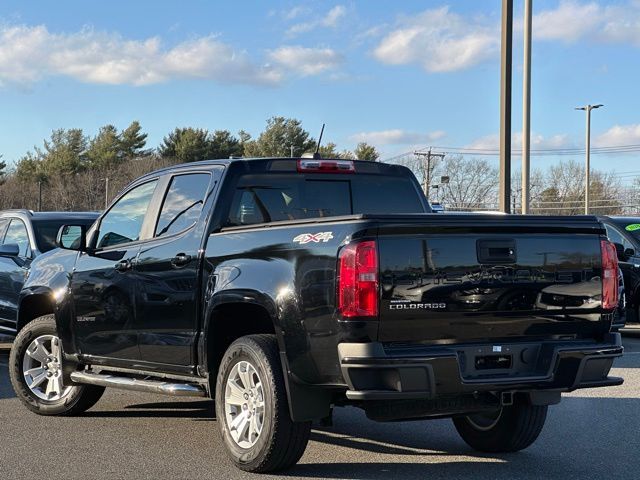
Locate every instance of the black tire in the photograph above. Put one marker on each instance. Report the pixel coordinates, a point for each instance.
(514, 428)
(281, 442)
(79, 397)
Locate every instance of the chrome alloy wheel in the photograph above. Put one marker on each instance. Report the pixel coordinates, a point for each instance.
(244, 404)
(485, 421)
(42, 368)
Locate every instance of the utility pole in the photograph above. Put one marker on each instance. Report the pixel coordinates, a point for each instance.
(587, 167)
(505, 105)
(39, 195)
(292, 151)
(526, 108)
(427, 157)
(106, 192)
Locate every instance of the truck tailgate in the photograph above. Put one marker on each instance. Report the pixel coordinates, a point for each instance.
(479, 278)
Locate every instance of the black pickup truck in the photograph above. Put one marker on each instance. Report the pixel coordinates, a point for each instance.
(283, 288)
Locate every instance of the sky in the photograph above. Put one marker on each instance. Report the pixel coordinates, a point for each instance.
(400, 75)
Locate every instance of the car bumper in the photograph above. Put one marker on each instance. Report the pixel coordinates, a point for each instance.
(374, 371)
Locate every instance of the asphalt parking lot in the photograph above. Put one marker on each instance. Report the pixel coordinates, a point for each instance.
(591, 434)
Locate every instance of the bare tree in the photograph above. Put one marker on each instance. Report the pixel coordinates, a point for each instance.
(563, 192)
(472, 183)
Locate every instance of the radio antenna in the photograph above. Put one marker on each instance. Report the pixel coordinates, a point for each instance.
(316, 155)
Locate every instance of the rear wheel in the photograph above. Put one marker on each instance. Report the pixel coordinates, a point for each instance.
(35, 368)
(509, 429)
(252, 408)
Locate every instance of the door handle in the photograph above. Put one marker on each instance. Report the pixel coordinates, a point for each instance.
(123, 265)
(180, 260)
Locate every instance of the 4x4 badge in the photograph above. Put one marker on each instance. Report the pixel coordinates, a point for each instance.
(313, 237)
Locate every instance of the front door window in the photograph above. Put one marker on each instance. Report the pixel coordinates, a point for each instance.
(123, 223)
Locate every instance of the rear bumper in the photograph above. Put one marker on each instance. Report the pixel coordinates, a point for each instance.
(374, 371)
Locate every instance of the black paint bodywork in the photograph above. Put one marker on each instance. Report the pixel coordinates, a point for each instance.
(449, 286)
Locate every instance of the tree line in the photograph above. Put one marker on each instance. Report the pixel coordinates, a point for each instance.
(74, 171)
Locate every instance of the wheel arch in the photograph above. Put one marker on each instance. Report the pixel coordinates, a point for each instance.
(226, 321)
(233, 315)
(34, 304)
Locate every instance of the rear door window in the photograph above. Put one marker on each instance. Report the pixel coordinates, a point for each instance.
(183, 203)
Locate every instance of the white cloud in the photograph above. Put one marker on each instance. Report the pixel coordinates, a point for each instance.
(30, 53)
(440, 41)
(572, 20)
(331, 20)
(538, 142)
(397, 137)
(619, 135)
(333, 16)
(569, 21)
(305, 61)
(295, 12)
(443, 41)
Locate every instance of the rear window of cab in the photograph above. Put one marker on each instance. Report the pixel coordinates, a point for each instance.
(263, 198)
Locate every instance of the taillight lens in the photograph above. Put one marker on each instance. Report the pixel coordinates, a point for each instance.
(358, 280)
(609, 275)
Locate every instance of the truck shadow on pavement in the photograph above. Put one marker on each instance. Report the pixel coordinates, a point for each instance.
(396, 470)
(6, 391)
(196, 410)
(565, 449)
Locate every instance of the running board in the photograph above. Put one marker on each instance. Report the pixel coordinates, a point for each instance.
(127, 383)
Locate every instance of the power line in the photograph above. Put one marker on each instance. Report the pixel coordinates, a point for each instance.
(632, 148)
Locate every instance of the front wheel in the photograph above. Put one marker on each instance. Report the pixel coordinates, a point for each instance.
(509, 429)
(35, 368)
(252, 408)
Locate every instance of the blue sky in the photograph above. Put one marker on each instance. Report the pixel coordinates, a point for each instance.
(400, 75)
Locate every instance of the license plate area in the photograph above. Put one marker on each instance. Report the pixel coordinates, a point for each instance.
(493, 362)
(501, 361)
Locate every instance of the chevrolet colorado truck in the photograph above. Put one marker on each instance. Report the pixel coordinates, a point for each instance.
(283, 288)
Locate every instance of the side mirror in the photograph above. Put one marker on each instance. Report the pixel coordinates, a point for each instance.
(9, 250)
(624, 254)
(619, 251)
(72, 237)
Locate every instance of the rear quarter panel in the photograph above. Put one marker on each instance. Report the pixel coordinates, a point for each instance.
(291, 272)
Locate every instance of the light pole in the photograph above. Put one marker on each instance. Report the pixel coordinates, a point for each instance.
(526, 106)
(588, 108)
(506, 55)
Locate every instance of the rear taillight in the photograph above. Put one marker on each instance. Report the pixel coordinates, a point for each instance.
(358, 280)
(326, 166)
(609, 275)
